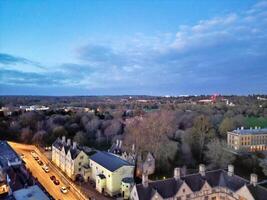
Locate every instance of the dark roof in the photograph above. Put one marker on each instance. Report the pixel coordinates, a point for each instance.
(59, 145)
(259, 192)
(250, 131)
(7, 155)
(109, 161)
(169, 187)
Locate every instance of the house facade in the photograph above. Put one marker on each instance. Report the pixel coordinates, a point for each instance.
(210, 185)
(248, 139)
(108, 171)
(70, 158)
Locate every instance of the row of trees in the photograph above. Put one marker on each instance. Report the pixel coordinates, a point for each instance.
(177, 133)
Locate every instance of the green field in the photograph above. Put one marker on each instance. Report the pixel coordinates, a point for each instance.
(256, 121)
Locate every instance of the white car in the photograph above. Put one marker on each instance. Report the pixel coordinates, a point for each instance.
(46, 168)
(64, 190)
(34, 155)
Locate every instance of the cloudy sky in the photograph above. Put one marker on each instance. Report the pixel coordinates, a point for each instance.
(153, 47)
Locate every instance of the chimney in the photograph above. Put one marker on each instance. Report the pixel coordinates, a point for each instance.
(68, 142)
(120, 143)
(242, 127)
(145, 180)
(256, 127)
(133, 147)
(231, 169)
(117, 143)
(177, 173)
(254, 179)
(202, 169)
(63, 139)
(250, 128)
(74, 145)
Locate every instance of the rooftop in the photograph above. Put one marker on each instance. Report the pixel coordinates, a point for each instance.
(59, 144)
(250, 131)
(8, 156)
(109, 161)
(30, 193)
(217, 178)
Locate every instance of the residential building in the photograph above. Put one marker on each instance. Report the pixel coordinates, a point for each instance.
(15, 178)
(4, 186)
(70, 158)
(248, 139)
(205, 185)
(108, 171)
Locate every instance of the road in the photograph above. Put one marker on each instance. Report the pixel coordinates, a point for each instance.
(42, 176)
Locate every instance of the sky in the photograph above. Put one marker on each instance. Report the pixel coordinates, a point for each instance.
(133, 47)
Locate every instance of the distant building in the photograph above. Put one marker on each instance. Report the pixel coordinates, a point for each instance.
(70, 158)
(34, 108)
(205, 185)
(129, 156)
(109, 172)
(248, 139)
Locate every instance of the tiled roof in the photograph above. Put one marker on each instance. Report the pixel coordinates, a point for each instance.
(109, 161)
(59, 145)
(7, 154)
(169, 187)
(251, 131)
(259, 192)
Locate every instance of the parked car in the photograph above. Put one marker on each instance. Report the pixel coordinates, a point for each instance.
(46, 168)
(56, 182)
(64, 190)
(53, 178)
(34, 155)
(40, 162)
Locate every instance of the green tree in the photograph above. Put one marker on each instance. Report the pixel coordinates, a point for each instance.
(226, 125)
(80, 138)
(200, 135)
(218, 155)
(263, 165)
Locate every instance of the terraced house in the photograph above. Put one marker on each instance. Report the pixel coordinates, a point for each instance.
(205, 185)
(69, 158)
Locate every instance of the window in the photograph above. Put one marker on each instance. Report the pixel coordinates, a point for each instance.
(178, 198)
(183, 190)
(80, 169)
(213, 198)
(206, 198)
(81, 157)
(80, 163)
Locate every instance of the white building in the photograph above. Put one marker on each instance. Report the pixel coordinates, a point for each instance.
(69, 157)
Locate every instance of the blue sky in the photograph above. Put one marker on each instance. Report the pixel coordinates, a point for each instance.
(148, 47)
